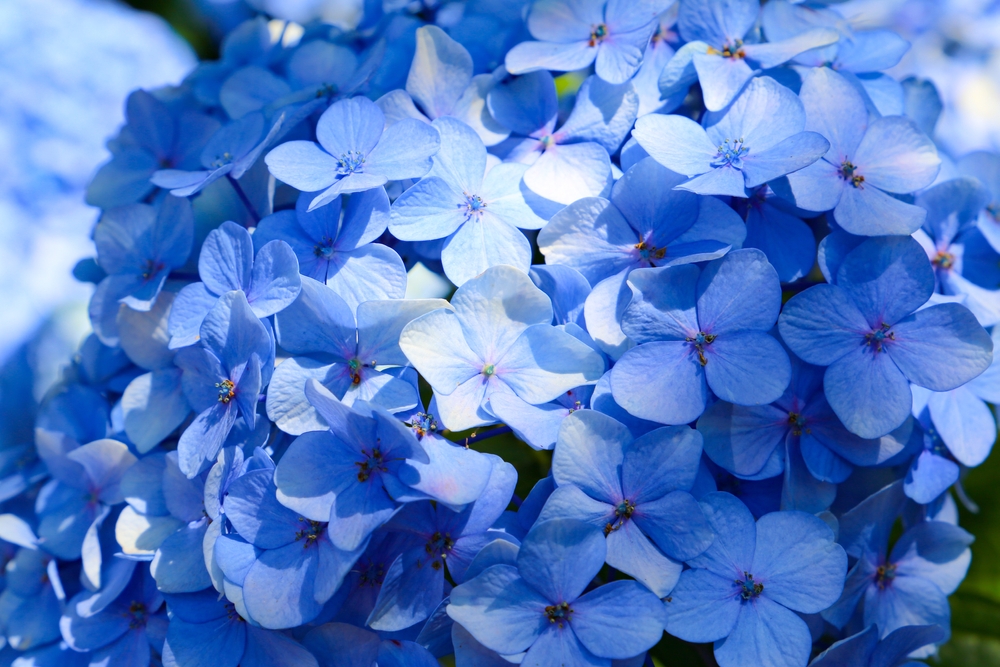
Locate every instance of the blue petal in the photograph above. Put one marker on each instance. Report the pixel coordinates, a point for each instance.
(721, 79)
(733, 549)
(929, 477)
(888, 278)
(797, 556)
(601, 627)
(747, 368)
(768, 634)
(405, 150)
(724, 293)
(787, 241)
(896, 156)
(500, 610)
(660, 462)
(559, 558)
(941, 347)
(440, 73)
(676, 524)
(700, 595)
(589, 454)
(868, 392)
(676, 142)
(661, 382)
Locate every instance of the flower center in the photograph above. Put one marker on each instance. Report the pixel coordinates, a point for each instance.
(423, 423)
(732, 50)
(324, 248)
(438, 547)
(622, 514)
(559, 613)
(232, 613)
(227, 390)
(798, 422)
(473, 206)
(650, 253)
(597, 34)
(136, 615)
(151, 268)
(350, 162)
(222, 160)
(731, 152)
(372, 463)
(489, 370)
(371, 574)
(748, 588)
(879, 337)
(310, 533)
(884, 575)
(848, 172)
(943, 260)
(699, 341)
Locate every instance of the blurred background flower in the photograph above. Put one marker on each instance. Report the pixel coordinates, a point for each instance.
(956, 44)
(66, 67)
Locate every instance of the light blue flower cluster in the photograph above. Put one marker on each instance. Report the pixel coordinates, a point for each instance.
(742, 300)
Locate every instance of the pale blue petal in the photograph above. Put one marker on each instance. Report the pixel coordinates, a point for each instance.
(481, 243)
(721, 79)
(896, 156)
(741, 439)
(275, 279)
(791, 154)
(461, 161)
(560, 57)
(660, 462)
(349, 126)
(835, 109)
(867, 211)
(545, 362)
(676, 524)
(822, 324)
(663, 305)
(226, 259)
(431, 209)
(631, 552)
(732, 552)
(676, 142)
(567, 172)
(303, 165)
(723, 181)
(440, 72)
(965, 423)
(775, 53)
(405, 150)
(603, 112)
(371, 272)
